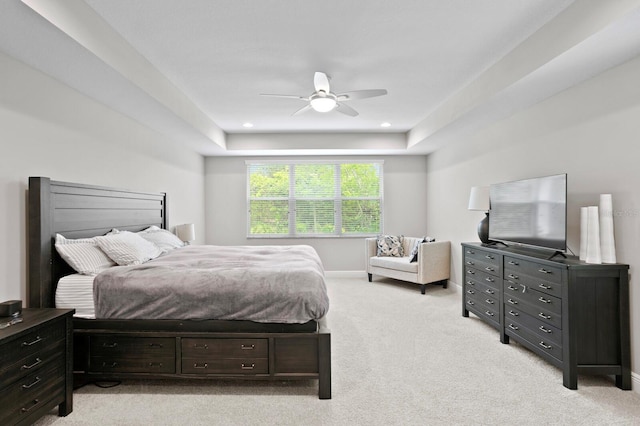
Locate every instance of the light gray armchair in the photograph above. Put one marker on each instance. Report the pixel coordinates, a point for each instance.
(432, 266)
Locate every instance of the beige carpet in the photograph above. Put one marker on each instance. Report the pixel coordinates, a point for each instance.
(399, 358)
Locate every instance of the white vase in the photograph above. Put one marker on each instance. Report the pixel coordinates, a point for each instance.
(607, 240)
(584, 224)
(593, 236)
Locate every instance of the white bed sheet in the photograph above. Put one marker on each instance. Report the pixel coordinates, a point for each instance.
(75, 291)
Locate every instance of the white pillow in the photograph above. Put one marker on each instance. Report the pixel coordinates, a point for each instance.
(164, 239)
(127, 248)
(83, 255)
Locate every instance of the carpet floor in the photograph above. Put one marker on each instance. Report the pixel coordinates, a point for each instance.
(398, 358)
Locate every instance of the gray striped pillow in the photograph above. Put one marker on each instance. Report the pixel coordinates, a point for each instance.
(127, 248)
(83, 255)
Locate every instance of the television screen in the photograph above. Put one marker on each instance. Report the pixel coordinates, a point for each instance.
(530, 211)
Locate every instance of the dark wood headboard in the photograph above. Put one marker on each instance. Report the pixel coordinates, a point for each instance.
(78, 211)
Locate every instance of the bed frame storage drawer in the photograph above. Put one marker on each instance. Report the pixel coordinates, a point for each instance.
(225, 348)
(147, 364)
(132, 347)
(225, 366)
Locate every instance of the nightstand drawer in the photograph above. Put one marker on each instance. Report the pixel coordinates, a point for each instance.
(225, 348)
(31, 343)
(225, 366)
(33, 362)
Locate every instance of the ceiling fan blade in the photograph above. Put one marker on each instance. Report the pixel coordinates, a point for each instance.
(345, 109)
(361, 94)
(321, 82)
(303, 109)
(302, 98)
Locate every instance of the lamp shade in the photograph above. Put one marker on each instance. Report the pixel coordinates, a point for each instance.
(479, 198)
(186, 232)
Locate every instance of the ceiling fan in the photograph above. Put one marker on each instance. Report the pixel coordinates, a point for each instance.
(324, 100)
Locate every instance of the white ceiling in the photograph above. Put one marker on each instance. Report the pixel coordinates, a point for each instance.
(194, 69)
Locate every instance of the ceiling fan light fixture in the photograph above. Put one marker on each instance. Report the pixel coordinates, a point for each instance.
(323, 104)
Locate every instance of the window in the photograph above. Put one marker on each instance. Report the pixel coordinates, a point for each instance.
(314, 199)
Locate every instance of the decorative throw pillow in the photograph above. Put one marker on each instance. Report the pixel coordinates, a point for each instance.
(414, 251)
(83, 255)
(164, 239)
(390, 245)
(127, 248)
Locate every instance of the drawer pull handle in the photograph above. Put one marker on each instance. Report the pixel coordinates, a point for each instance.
(470, 302)
(546, 330)
(201, 346)
(247, 366)
(471, 252)
(511, 262)
(515, 314)
(470, 272)
(470, 282)
(111, 365)
(513, 327)
(489, 268)
(33, 404)
(542, 315)
(512, 288)
(491, 314)
(489, 291)
(545, 345)
(512, 276)
(488, 256)
(471, 292)
(470, 263)
(155, 364)
(247, 347)
(489, 301)
(543, 300)
(110, 345)
(32, 384)
(200, 366)
(489, 279)
(544, 271)
(513, 302)
(544, 287)
(33, 342)
(29, 367)
(156, 345)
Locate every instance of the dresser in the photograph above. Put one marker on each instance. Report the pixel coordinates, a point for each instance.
(573, 314)
(36, 366)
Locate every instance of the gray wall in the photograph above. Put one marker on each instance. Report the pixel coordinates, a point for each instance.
(405, 201)
(47, 129)
(591, 132)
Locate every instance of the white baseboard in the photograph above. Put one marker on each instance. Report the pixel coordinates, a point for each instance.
(635, 382)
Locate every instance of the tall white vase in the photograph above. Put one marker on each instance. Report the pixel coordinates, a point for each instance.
(584, 231)
(593, 236)
(607, 241)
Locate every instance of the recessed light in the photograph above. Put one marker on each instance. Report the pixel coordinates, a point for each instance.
(247, 125)
(385, 124)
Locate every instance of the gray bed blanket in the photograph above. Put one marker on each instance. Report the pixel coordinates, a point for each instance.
(270, 284)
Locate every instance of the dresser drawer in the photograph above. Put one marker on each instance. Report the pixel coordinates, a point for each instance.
(225, 348)
(533, 297)
(481, 265)
(479, 276)
(475, 256)
(31, 343)
(33, 362)
(479, 288)
(490, 312)
(537, 271)
(513, 305)
(132, 347)
(542, 329)
(150, 364)
(204, 365)
(542, 345)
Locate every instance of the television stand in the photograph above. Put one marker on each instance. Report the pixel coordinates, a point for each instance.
(556, 254)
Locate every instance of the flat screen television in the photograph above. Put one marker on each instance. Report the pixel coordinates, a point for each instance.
(531, 212)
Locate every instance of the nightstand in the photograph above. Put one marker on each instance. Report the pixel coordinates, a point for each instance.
(36, 366)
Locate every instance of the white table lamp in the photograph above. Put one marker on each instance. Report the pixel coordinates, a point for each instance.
(186, 232)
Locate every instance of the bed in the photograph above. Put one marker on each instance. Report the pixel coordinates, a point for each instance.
(184, 348)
